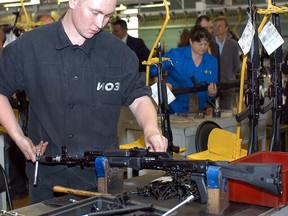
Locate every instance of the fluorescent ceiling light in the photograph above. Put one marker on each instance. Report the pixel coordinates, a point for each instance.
(32, 2)
(61, 1)
(121, 7)
(130, 11)
(7, 1)
(152, 5)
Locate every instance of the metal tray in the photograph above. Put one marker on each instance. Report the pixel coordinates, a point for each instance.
(107, 205)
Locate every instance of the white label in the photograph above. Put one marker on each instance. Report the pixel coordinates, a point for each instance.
(270, 38)
(246, 38)
(170, 95)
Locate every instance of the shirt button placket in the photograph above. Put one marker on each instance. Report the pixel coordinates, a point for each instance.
(75, 77)
(72, 105)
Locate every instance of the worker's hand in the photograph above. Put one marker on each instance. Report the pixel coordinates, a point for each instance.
(212, 90)
(41, 148)
(28, 149)
(156, 142)
(169, 85)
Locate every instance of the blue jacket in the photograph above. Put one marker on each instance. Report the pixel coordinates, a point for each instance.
(180, 71)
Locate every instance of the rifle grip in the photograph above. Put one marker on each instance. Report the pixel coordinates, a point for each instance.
(267, 106)
(243, 115)
(201, 186)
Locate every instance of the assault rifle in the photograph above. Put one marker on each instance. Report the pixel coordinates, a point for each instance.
(275, 91)
(163, 108)
(204, 87)
(265, 176)
(252, 93)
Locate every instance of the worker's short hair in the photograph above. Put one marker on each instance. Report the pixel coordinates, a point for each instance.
(202, 17)
(197, 33)
(220, 18)
(120, 22)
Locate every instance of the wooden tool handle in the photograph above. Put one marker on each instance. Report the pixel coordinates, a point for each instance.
(61, 189)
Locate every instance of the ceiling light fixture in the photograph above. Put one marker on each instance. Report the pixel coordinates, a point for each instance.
(130, 11)
(121, 7)
(32, 2)
(8, 1)
(152, 5)
(61, 1)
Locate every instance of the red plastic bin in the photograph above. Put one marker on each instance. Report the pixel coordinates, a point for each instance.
(243, 193)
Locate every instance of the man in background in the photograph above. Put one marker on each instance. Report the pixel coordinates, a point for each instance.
(45, 19)
(229, 60)
(2, 40)
(205, 22)
(136, 44)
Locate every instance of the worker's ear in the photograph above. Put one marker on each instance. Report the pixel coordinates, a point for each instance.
(73, 3)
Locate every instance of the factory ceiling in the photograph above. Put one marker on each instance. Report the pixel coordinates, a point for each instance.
(146, 6)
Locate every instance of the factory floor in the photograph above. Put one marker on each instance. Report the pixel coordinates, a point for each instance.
(20, 202)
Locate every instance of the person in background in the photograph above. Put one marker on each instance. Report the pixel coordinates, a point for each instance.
(185, 62)
(76, 77)
(136, 44)
(45, 19)
(184, 38)
(2, 40)
(206, 22)
(229, 60)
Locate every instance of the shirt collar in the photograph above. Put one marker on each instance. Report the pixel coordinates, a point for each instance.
(219, 42)
(124, 39)
(62, 41)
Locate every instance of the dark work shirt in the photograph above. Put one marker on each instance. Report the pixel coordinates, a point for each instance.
(75, 92)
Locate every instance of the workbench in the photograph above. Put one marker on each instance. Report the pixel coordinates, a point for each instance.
(193, 208)
(184, 128)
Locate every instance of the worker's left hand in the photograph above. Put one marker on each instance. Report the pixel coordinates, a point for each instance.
(212, 90)
(156, 142)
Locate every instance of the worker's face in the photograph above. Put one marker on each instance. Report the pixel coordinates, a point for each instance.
(118, 31)
(199, 48)
(220, 28)
(207, 25)
(90, 16)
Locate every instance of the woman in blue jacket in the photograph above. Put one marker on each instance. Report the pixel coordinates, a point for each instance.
(193, 60)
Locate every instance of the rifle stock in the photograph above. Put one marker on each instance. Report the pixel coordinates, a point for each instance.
(259, 175)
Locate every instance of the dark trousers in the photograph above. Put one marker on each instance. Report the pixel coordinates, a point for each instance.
(15, 168)
(59, 175)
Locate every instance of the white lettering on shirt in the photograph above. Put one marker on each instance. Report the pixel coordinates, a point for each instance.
(101, 86)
